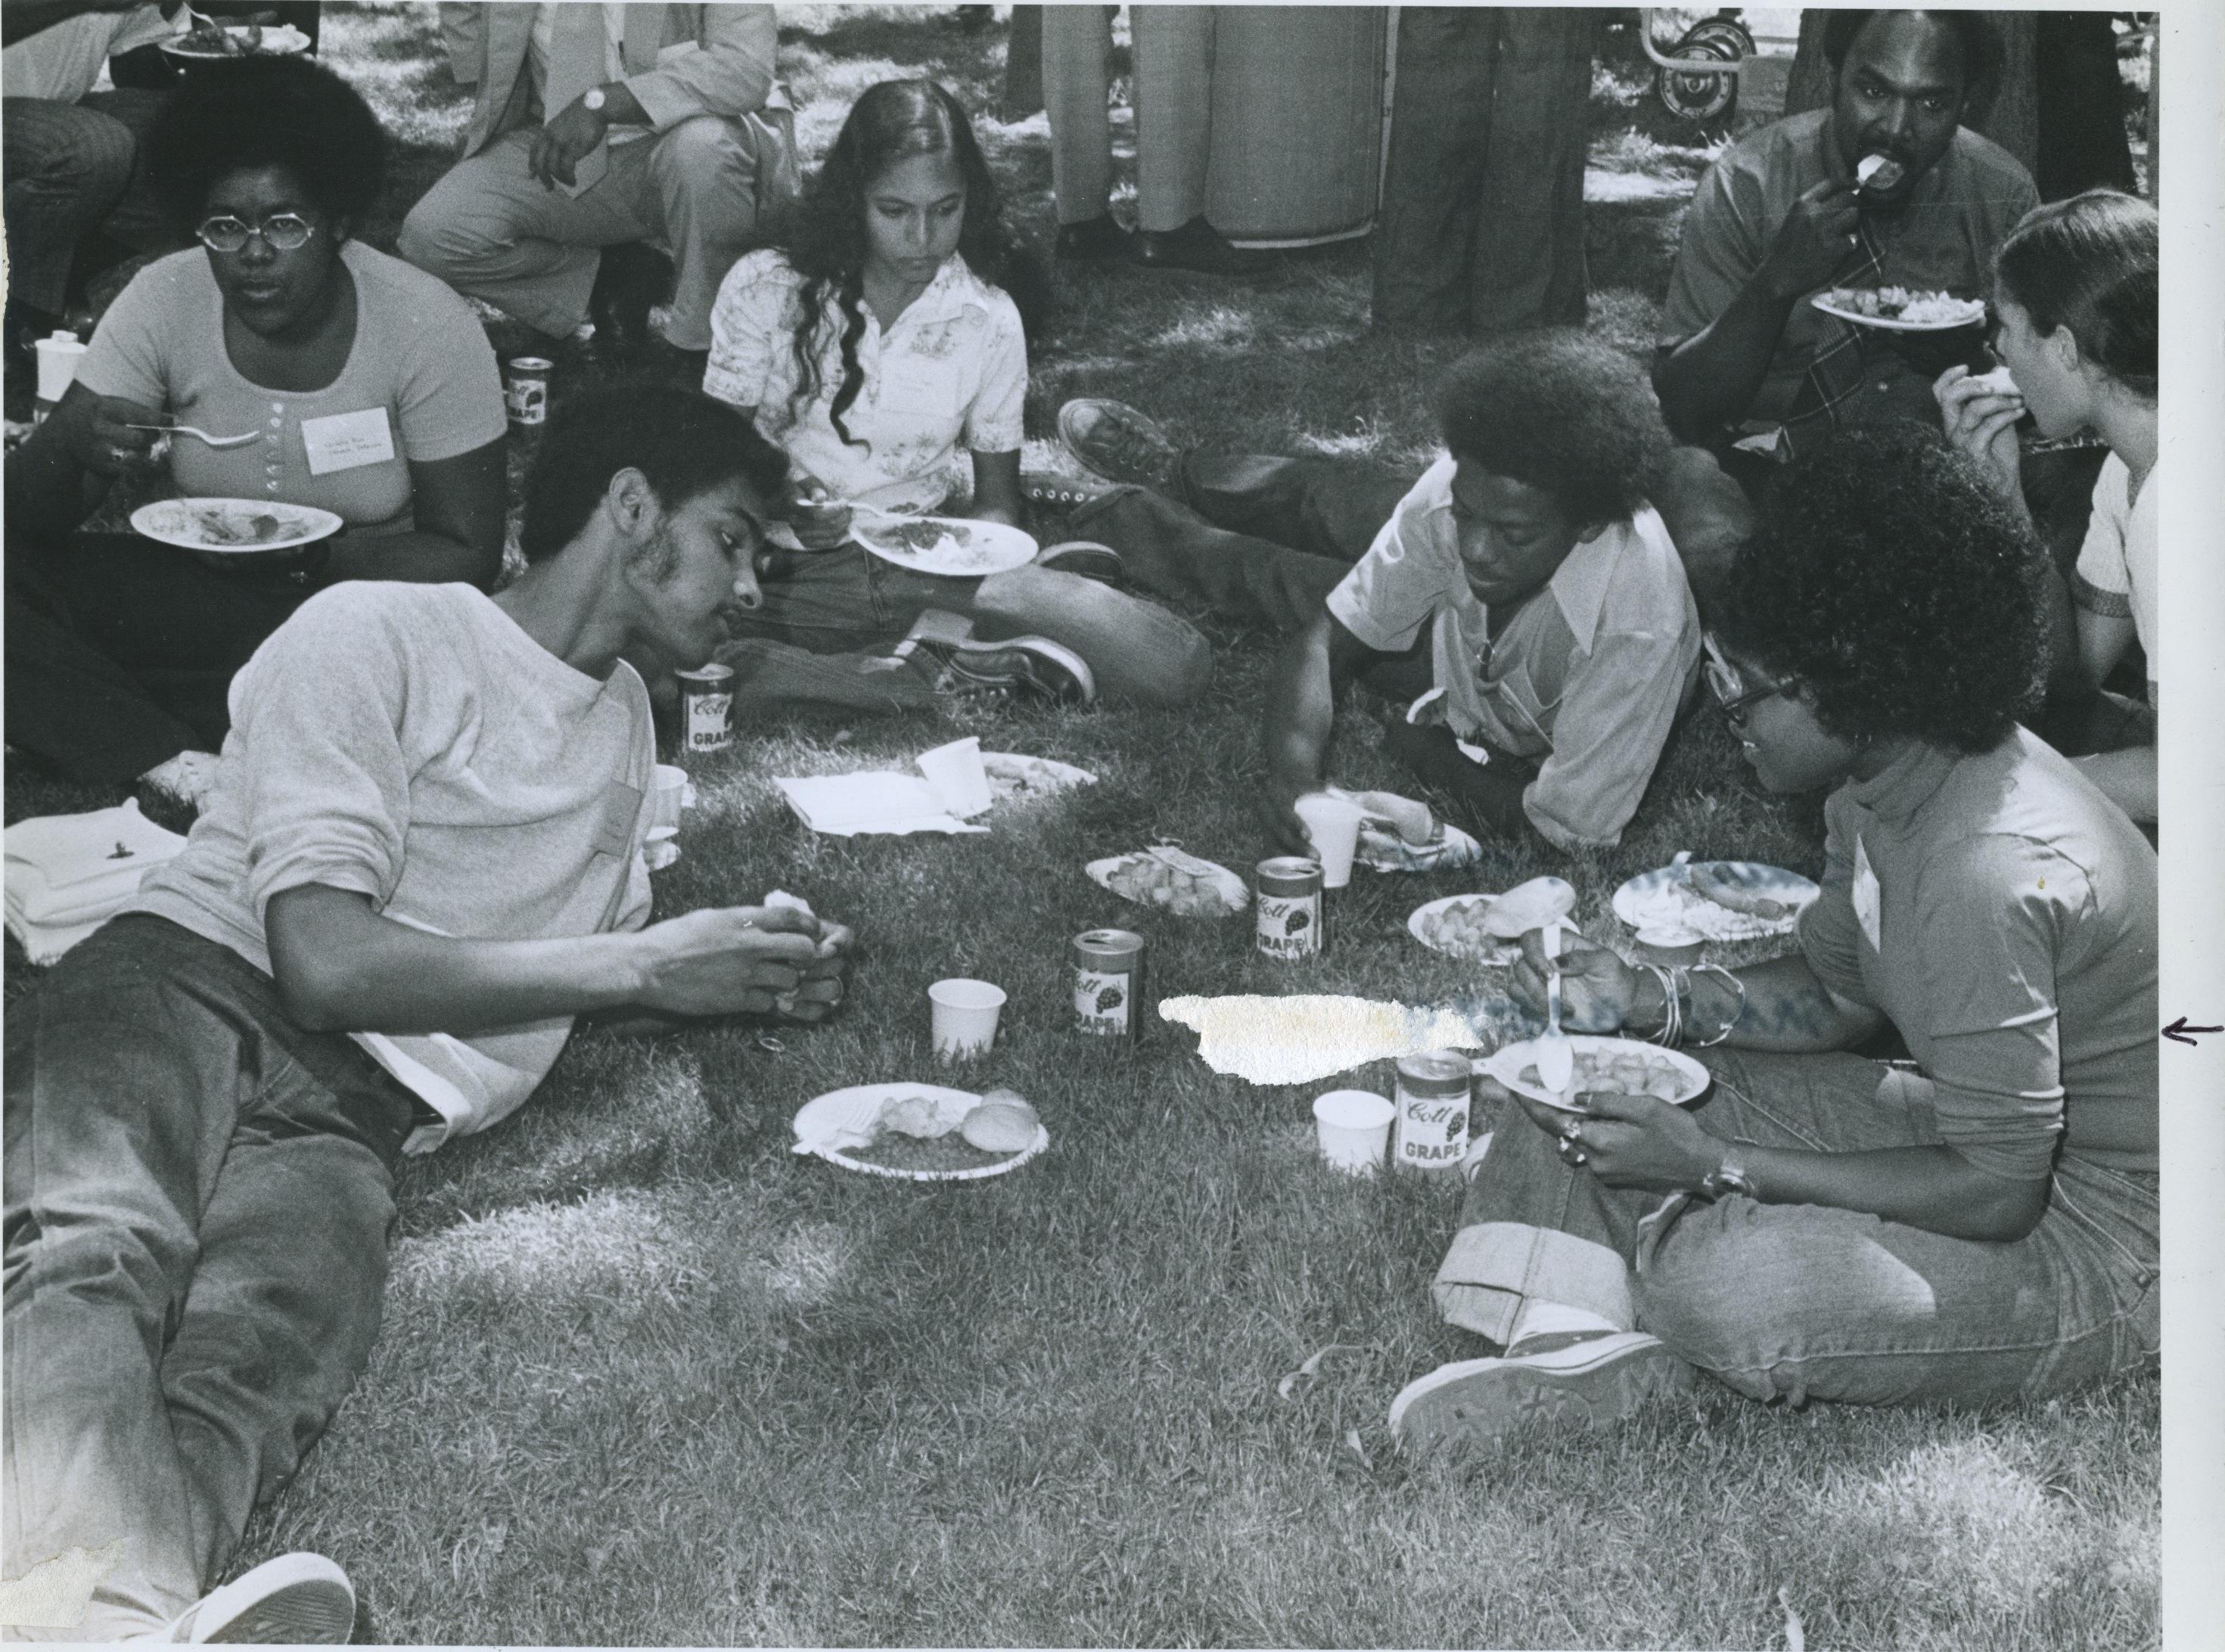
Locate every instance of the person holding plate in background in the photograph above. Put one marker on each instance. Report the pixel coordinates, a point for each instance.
(2074, 288)
(1979, 1223)
(880, 338)
(324, 374)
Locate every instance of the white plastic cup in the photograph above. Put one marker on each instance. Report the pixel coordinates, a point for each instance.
(668, 794)
(1355, 1126)
(956, 773)
(1332, 824)
(962, 1017)
(659, 851)
(57, 358)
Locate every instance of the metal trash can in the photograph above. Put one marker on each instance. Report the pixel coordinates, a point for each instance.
(1297, 122)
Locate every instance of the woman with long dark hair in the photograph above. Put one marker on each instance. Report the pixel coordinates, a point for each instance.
(882, 335)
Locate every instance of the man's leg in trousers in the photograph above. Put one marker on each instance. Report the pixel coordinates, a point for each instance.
(1324, 504)
(67, 167)
(1441, 131)
(1137, 651)
(1174, 113)
(491, 230)
(1526, 259)
(1076, 41)
(141, 219)
(1170, 549)
(704, 178)
(774, 679)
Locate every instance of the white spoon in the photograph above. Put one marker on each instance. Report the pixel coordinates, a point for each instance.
(198, 434)
(1557, 1060)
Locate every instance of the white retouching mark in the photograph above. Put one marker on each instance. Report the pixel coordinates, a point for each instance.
(56, 1594)
(1297, 1038)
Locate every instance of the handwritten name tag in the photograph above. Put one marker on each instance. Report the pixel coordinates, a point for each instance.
(347, 441)
(1865, 897)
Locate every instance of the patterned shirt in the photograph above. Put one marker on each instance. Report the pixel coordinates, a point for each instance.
(954, 368)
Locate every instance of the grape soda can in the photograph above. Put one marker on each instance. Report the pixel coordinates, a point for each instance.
(707, 695)
(1108, 970)
(1432, 1101)
(525, 389)
(1289, 921)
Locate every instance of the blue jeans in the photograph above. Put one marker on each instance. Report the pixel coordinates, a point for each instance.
(824, 634)
(199, 1197)
(1802, 1302)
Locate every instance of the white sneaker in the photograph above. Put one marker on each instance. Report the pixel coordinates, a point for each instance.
(1588, 1384)
(187, 778)
(298, 1599)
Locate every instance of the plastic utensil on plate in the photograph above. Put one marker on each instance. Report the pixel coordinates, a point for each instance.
(198, 434)
(1557, 1061)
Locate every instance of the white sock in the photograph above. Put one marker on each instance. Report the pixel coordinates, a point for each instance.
(1540, 1317)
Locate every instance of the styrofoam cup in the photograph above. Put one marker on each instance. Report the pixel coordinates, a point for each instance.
(1333, 824)
(957, 776)
(668, 794)
(962, 1017)
(659, 851)
(1355, 1126)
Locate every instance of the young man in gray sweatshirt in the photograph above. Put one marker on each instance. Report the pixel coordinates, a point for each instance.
(421, 859)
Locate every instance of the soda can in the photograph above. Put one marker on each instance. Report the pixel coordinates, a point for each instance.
(1432, 1100)
(1288, 924)
(525, 388)
(1107, 966)
(707, 693)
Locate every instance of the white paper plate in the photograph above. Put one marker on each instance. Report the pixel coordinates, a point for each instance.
(1016, 776)
(279, 40)
(183, 523)
(980, 547)
(1386, 851)
(1507, 1063)
(1665, 896)
(856, 1109)
(1975, 318)
(1235, 894)
(1501, 953)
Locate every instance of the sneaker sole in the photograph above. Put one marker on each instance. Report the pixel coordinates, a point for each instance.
(1482, 1400)
(302, 1614)
(1067, 419)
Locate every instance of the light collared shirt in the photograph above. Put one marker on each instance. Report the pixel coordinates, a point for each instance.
(543, 44)
(1588, 673)
(2002, 914)
(1942, 240)
(953, 370)
(64, 60)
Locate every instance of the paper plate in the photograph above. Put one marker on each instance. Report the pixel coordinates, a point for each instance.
(826, 1125)
(1844, 312)
(1666, 896)
(222, 525)
(279, 40)
(1235, 896)
(949, 545)
(1386, 851)
(1507, 1063)
(1499, 955)
(1021, 778)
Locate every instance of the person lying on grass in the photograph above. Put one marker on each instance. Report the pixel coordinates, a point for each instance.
(876, 338)
(421, 859)
(2075, 288)
(1976, 1224)
(1528, 587)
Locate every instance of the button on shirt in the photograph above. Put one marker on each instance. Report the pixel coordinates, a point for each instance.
(2002, 912)
(1957, 212)
(1588, 673)
(954, 368)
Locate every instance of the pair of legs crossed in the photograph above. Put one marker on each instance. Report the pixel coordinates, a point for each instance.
(1799, 1301)
(73, 168)
(491, 229)
(198, 1198)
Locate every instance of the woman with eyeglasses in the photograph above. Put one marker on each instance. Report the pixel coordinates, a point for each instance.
(1976, 1224)
(2074, 288)
(362, 385)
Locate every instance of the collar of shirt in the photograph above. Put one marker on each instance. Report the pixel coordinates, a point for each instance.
(955, 290)
(1579, 586)
(1906, 784)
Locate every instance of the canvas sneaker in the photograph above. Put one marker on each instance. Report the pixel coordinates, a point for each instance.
(187, 778)
(1585, 1382)
(1030, 665)
(1085, 557)
(298, 1599)
(1116, 442)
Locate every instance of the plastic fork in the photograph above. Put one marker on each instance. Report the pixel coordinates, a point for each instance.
(198, 434)
(1557, 1060)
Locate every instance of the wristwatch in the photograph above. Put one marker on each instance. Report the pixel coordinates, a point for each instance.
(1728, 1177)
(593, 98)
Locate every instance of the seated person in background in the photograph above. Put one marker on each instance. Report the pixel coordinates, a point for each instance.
(1525, 583)
(1778, 218)
(2074, 293)
(377, 937)
(368, 389)
(608, 126)
(879, 337)
(1979, 1229)
(71, 151)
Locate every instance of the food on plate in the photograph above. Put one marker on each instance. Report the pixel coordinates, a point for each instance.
(949, 543)
(1712, 882)
(1917, 308)
(1623, 1073)
(223, 526)
(1879, 171)
(1192, 891)
(1013, 775)
(895, 1151)
(1460, 927)
(1004, 1122)
(1531, 905)
(1412, 821)
(916, 1116)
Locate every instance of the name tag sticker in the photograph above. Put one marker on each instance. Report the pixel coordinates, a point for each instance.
(347, 441)
(1866, 896)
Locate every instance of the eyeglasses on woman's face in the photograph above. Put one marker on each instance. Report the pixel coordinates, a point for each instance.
(281, 231)
(1728, 685)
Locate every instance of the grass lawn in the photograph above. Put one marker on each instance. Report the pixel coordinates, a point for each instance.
(646, 1378)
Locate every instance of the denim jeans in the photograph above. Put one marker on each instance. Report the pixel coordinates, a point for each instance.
(1802, 1302)
(198, 1197)
(824, 634)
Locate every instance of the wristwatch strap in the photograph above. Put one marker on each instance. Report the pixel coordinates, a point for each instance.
(1728, 1177)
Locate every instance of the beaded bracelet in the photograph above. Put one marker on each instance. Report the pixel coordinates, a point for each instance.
(1672, 1012)
(1734, 1019)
